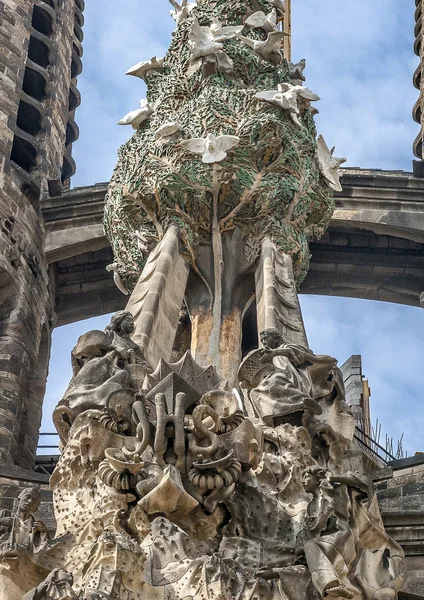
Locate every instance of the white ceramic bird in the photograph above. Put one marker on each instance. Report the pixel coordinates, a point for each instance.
(279, 5)
(288, 97)
(142, 68)
(220, 33)
(167, 130)
(329, 165)
(259, 20)
(202, 42)
(296, 71)
(142, 242)
(213, 149)
(181, 11)
(117, 278)
(270, 49)
(137, 117)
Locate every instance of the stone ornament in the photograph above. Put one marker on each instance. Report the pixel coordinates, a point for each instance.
(202, 42)
(23, 542)
(270, 49)
(117, 280)
(221, 33)
(167, 130)
(213, 149)
(279, 5)
(141, 69)
(291, 98)
(181, 11)
(296, 71)
(259, 20)
(136, 117)
(57, 585)
(146, 481)
(329, 165)
(206, 47)
(19, 530)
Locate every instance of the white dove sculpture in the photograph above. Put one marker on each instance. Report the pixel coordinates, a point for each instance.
(213, 149)
(269, 49)
(260, 20)
(117, 278)
(142, 68)
(181, 11)
(220, 33)
(279, 5)
(167, 130)
(329, 165)
(296, 71)
(137, 117)
(202, 42)
(287, 97)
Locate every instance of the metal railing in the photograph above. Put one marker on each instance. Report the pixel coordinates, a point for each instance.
(372, 448)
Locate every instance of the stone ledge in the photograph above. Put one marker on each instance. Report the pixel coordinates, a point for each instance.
(16, 473)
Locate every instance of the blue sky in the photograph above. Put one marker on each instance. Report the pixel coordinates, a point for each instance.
(360, 61)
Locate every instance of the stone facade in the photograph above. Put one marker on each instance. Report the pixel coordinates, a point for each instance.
(39, 65)
(417, 113)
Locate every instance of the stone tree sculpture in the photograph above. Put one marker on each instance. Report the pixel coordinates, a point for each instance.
(196, 465)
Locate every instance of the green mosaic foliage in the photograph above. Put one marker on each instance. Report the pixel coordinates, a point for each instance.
(270, 182)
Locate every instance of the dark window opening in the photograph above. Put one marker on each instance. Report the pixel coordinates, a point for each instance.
(29, 118)
(38, 52)
(250, 330)
(42, 21)
(23, 153)
(34, 84)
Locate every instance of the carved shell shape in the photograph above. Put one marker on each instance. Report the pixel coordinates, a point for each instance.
(224, 403)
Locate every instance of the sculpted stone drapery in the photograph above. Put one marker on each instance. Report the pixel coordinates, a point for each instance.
(285, 379)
